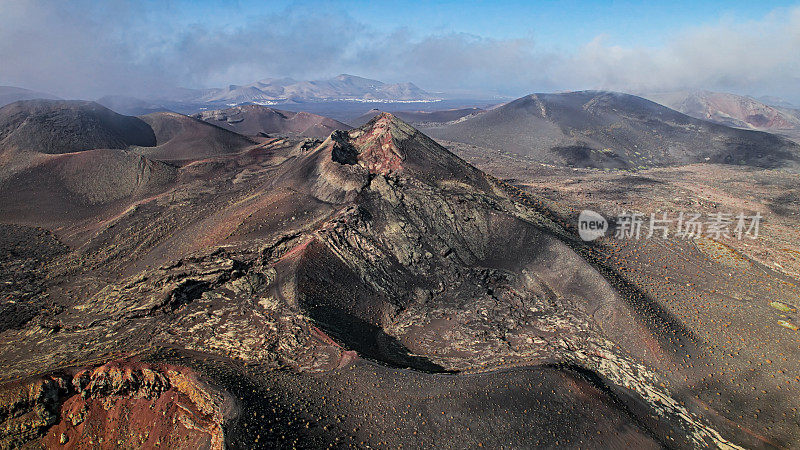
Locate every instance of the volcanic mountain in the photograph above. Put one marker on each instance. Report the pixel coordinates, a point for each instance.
(58, 126)
(612, 130)
(304, 293)
(11, 94)
(61, 126)
(181, 138)
(256, 120)
(730, 109)
(65, 161)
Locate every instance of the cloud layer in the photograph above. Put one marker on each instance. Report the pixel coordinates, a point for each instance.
(89, 49)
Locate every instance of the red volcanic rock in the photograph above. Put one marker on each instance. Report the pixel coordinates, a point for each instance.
(388, 145)
(378, 151)
(120, 402)
(339, 168)
(118, 379)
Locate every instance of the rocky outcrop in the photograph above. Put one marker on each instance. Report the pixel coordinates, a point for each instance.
(28, 409)
(122, 403)
(442, 271)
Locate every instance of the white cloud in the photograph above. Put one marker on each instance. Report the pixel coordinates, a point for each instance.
(88, 49)
(752, 57)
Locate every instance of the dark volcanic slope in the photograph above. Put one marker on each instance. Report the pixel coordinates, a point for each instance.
(421, 118)
(255, 119)
(11, 94)
(61, 126)
(66, 161)
(604, 129)
(62, 189)
(375, 244)
(540, 407)
(181, 138)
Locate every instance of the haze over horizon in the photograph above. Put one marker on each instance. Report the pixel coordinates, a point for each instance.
(87, 49)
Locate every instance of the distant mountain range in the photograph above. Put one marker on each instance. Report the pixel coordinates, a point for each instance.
(777, 101)
(273, 91)
(11, 94)
(284, 90)
(767, 113)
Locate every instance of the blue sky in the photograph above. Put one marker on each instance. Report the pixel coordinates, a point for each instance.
(562, 24)
(91, 47)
